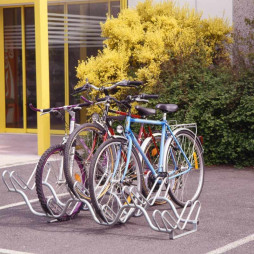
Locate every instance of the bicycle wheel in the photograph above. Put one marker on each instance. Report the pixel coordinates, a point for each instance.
(50, 179)
(84, 141)
(107, 188)
(185, 185)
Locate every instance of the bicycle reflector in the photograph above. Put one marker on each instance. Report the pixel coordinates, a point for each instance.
(201, 139)
(195, 160)
(154, 152)
(77, 178)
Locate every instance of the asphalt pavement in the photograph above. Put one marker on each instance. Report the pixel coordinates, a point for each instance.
(226, 217)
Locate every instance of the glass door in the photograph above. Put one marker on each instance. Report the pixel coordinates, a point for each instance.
(74, 34)
(13, 68)
(30, 68)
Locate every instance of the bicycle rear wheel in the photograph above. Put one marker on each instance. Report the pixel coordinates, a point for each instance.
(84, 141)
(109, 192)
(186, 185)
(50, 181)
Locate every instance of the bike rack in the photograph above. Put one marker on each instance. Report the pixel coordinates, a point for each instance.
(15, 183)
(168, 221)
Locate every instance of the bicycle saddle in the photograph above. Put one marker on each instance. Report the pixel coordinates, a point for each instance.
(167, 108)
(145, 111)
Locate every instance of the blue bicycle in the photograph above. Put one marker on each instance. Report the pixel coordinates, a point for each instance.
(117, 164)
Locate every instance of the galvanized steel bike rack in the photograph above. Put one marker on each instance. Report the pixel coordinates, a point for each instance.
(15, 183)
(166, 221)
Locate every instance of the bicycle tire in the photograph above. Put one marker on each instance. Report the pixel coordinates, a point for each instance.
(106, 190)
(187, 186)
(80, 141)
(48, 162)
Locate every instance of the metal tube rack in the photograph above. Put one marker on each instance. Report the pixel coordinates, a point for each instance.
(168, 221)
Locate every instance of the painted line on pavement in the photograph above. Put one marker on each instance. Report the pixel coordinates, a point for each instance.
(17, 204)
(31, 201)
(233, 245)
(5, 251)
(19, 164)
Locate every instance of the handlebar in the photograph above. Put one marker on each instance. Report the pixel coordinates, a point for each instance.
(129, 99)
(69, 107)
(149, 96)
(135, 83)
(39, 110)
(123, 83)
(141, 97)
(86, 100)
(103, 99)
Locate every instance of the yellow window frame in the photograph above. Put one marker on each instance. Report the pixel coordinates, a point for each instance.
(42, 66)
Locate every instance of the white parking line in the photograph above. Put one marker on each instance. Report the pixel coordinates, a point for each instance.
(22, 163)
(233, 245)
(31, 201)
(17, 204)
(13, 252)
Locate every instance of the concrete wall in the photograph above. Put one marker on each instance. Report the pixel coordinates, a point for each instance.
(216, 8)
(212, 8)
(242, 9)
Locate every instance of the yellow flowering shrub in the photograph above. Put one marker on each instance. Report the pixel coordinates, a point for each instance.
(140, 40)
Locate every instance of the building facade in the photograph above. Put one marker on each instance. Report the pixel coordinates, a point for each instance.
(64, 31)
(44, 75)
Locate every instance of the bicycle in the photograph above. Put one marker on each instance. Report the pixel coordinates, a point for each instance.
(51, 187)
(180, 158)
(86, 139)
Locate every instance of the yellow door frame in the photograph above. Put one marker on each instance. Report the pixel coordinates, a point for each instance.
(42, 67)
(42, 72)
(24, 67)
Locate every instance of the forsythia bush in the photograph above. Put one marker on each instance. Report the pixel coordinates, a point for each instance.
(185, 60)
(140, 40)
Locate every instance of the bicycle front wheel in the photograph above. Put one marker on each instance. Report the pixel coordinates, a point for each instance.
(84, 142)
(186, 182)
(51, 186)
(109, 190)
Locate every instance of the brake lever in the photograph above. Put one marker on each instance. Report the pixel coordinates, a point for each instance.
(79, 108)
(141, 100)
(44, 113)
(51, 111)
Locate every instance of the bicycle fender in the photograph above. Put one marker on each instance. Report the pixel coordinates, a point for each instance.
(168, 141)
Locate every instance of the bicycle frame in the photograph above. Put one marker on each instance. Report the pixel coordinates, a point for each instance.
(112, 132)
(131, 139)
(142, 130)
